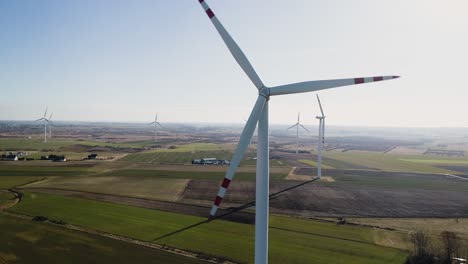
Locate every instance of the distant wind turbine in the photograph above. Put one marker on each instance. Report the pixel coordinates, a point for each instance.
(297, 125)
(156, 124)
(259, 115)
(46, 121)
(321, 139)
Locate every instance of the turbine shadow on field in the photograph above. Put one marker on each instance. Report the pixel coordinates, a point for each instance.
(233, 210)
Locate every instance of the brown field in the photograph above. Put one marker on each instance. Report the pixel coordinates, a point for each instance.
(142, 187)
(336, 199)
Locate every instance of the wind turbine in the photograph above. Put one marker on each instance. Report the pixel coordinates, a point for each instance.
(156, 124)
(297, 125)
(321, 139)
(45, 124)
(259, 115)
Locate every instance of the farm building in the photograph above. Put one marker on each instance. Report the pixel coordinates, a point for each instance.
(211, 161)
(54, 157)
(10, 157)
(92, 156)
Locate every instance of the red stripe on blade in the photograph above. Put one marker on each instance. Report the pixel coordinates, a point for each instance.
(210, 13)
(226, 183)
(201, 1)
(376, 79)
(358, 80)
(218, 200)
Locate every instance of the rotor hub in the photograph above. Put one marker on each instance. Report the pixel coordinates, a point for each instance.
(265, 92)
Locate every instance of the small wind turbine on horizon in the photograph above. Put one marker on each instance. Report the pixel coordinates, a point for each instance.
(259, 115)
(297, 130)
(321, 139)
(156, 124)
(46, 121)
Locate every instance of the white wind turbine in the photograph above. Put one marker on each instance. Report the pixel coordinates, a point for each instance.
(260, 114)
(46, 121)
(297, 125)
(156, 124)
(321, 139)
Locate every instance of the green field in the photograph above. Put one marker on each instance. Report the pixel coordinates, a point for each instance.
(433, 226)
(314, 164)
(382, 161)
(198, 175)
(36, 144)
(6, 199)
(24, 241)
(47, 170)
(13, 181)
(291, 240)
(439, 161)
(402, 182)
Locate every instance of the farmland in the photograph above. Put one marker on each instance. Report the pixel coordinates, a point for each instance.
(53, 245)
(137, 186)
(288, 236)
(150, 188)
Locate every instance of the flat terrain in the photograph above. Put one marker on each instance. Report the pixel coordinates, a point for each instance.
(24, 241)
(340, 199)
(292, 241)
(144, 189)
(141, 187)
(433, 226)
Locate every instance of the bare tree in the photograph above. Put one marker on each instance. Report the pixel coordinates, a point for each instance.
(451, 246)
(422, 252)
(421, 243)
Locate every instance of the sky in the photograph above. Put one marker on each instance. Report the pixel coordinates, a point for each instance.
(115, 60)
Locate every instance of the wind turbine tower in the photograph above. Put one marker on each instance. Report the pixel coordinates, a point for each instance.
(156, 124)
(259, 115)
(297, 125)
(321, 139)
(45, 124)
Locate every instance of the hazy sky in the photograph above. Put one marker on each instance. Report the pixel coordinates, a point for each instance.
(125, 60)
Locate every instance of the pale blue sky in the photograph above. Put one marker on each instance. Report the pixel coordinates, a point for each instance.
(125, 60)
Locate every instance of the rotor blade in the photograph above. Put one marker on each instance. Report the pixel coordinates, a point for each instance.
(311, 86)
(305, 128)
(151, 123)
(298, 117)
(320, 104)
(51, 114)
(39, 119)
(49, 122)
(292, 126)
(244, 141)
(45, 113)
(159, 124)
(156, 118)
(233, 47)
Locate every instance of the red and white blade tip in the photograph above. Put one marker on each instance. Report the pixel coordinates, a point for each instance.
(220, 196)
(373, 79)
(207, 9)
